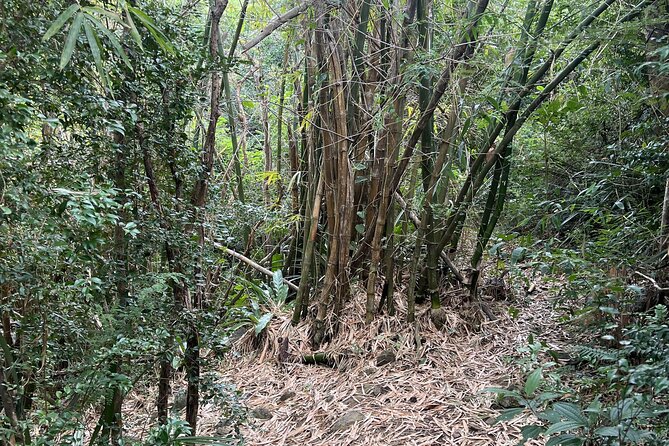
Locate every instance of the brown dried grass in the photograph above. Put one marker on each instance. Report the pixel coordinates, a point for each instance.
(431, 395)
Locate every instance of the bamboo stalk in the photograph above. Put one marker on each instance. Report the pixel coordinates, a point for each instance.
(253, 264)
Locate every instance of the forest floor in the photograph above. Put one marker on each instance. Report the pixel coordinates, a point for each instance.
(430, 395)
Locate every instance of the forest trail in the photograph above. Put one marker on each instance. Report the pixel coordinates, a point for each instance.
(429, 396)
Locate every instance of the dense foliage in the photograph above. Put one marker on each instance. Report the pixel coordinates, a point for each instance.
(174, 171)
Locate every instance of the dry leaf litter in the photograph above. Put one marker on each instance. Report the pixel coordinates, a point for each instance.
(428, 392)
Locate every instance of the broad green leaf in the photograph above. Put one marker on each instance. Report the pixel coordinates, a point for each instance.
(96, 51)
(563, 426)
(60, 21)
(533, 382)
(277, 279)
(547, 396)
(509, 414)
(71, 41)
(571, 412)
(262, 322)
(566, 440)
(608, 431)
(531, 431)
(635, 436)
(517, 254)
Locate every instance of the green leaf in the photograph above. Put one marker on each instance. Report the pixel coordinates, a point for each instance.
(96, 51)
(608, 431)
(248, 104)
(71, 41)
(112, 15)
(531, 431)
(517, 254)
(533, 382)
(262, 322)
(501, 391)
(277, 279)
(133, 29)
(566, 440)
(200, 440)
(563, 426)
(509, 414)
(60, 21)
(571, 412)
(547, 396)
(112, 39)
(158, 35)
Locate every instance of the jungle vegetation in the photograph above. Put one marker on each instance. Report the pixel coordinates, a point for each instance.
(167, 166)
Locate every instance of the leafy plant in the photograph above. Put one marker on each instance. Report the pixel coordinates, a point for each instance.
(631, 408)
(177, 432)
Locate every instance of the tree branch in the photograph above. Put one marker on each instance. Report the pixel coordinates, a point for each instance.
(253, 264)
(275, 24)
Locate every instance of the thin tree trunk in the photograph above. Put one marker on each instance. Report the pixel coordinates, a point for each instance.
(664, 231)
(279, 126)
(302, 300)
(198, 199)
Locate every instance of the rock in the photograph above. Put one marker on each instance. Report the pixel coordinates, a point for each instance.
(347, 420)
(286, 395)
(374, 389)
(504, 402)
(369, 371)
(438, 317)
(385, 357)
(179, 401)
(261, 413)
(224, 427)
(238, 334)
(352, 401)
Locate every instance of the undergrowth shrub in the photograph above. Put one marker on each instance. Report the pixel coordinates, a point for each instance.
(624, 393)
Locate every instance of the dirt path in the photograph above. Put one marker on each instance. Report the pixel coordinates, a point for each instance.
(429, 396)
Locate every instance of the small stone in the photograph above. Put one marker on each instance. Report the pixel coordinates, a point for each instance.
(286, 395)
(504, 402)
(439, 319)
(347, 420)
(369, 371)
(385, 357)
(352, 401)
(179, 402)
(374, 389)
(224, 427)
(261, 413)
(238, 334)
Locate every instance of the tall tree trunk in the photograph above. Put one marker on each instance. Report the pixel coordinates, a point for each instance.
(338, 175)
(198, 200)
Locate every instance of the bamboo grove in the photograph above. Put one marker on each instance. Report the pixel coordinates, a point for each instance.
(385, 122)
